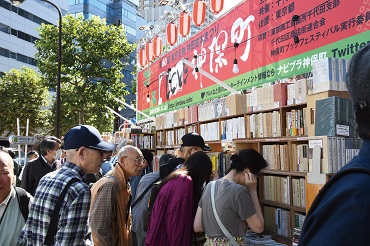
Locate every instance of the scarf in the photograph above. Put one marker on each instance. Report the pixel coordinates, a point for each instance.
(120, 229)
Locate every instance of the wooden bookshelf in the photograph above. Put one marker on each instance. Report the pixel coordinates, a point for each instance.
(280, 133)
(216, 130)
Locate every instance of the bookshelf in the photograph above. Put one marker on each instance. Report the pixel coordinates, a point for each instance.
(277, 133)
(279, 122)
(142, 140)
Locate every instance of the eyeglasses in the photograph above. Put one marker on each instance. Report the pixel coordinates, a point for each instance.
(138, 160)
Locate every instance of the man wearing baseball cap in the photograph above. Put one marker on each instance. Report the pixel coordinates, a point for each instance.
(191, 143)
(340, 214)
(64, 188)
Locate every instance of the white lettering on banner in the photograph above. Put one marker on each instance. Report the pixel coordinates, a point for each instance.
(300, 63)
(216, 59)
(164, 62)
(176, 77)
(218, 49)
(160, 81)
(237, 37)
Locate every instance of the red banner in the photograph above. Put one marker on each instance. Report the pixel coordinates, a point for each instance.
(265, 32)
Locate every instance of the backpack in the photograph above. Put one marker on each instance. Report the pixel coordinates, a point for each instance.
(23, 201)
(154, 190)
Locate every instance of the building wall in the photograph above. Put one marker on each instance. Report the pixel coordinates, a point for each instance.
(18, 31)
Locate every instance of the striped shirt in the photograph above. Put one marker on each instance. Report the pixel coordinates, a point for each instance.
(72, 224)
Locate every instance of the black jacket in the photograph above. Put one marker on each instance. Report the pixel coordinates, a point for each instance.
(33, 171)
(170, 166)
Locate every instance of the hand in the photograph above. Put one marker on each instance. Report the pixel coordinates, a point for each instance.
(214, 175)
(250, 181)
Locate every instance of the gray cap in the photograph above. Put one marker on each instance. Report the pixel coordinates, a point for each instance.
(358, 78)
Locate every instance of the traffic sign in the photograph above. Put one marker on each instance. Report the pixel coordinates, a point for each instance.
(24, 140)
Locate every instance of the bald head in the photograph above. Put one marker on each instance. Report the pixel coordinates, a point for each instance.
(6, 174)
(130, 160)
(127, 150)
(6, 158)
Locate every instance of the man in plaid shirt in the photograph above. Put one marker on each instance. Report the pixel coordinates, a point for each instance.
(85, 152)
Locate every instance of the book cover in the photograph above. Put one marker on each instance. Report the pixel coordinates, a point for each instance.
(300, 91)
(330, 112)
(302, 185)
(280, 94)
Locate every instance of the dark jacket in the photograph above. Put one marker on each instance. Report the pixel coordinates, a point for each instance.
(33, 171)
(342, 215)
(170, 166)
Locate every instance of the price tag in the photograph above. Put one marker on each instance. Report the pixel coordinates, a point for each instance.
(343, 130)
(312, 143)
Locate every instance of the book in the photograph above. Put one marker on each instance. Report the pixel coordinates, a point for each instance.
(329, 114)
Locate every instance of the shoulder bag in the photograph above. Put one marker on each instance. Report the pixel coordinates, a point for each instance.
(53, 226)
(222, 227)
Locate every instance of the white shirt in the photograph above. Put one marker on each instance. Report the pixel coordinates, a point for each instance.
(6, 201)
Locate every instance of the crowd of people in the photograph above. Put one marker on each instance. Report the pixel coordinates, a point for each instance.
(85, 191)
(70, 200)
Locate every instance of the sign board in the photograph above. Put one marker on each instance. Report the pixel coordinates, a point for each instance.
(266, 53)
(24, 140)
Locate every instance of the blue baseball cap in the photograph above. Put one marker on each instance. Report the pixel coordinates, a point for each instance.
(86, 136)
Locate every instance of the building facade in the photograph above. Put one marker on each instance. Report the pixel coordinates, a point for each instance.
(18, 31)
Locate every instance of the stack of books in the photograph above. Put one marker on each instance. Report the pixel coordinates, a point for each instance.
(259, 239)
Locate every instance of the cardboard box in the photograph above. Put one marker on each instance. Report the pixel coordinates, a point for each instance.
(311, 106)
(236, 104)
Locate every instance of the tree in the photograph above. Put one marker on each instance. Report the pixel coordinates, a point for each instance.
(92, 65)
(23, 95)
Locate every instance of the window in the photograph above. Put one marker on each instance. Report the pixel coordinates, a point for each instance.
(4, 28)
(13, 55)
(5, 4)
(22, 58)
(14, 32)
(129, 30)
(22, 12)
(4, 52)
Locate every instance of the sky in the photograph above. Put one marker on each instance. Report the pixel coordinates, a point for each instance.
(228, 4)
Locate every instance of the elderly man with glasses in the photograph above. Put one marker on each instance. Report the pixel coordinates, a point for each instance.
(110, 217)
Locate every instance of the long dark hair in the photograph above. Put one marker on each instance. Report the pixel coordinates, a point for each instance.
(248, 158)
(199, 167)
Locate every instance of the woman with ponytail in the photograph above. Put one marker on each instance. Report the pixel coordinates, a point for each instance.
(236, 201)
